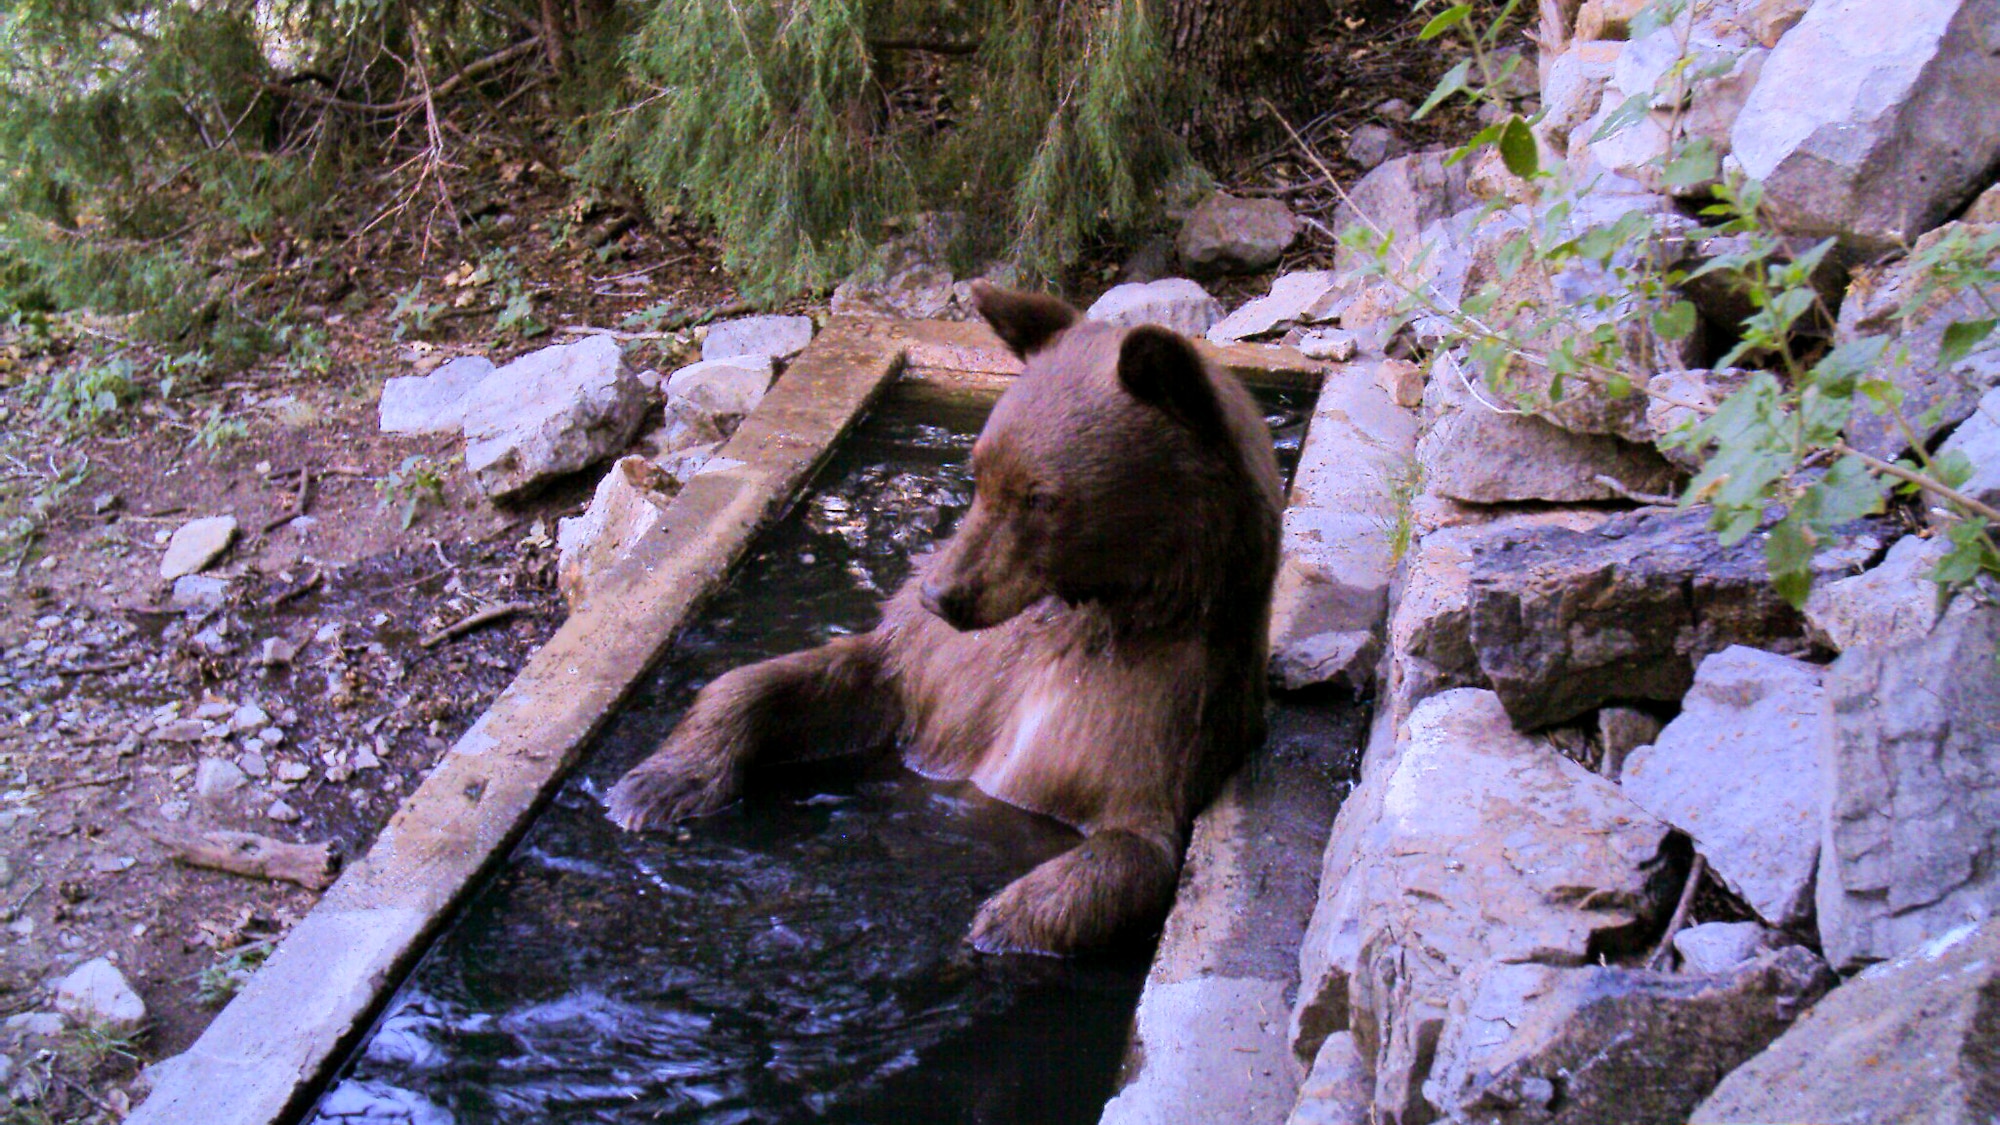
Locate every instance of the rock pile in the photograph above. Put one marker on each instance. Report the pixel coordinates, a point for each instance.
(1626, 816)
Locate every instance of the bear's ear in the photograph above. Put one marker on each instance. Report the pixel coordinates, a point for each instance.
(1160, 368)
(1026, 321)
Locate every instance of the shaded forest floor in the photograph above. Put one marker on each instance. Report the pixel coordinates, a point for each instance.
(306, 672)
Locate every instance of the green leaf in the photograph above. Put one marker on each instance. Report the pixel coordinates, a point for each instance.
(1452, 82)
(1692, 164)
(1951, 468)
(1788, 552)
(1625, 116)
(1676, 321)
(1444, 21)
(1518, 151)
(1960, 337)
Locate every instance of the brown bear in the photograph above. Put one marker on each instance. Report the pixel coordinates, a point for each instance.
(1090, 645)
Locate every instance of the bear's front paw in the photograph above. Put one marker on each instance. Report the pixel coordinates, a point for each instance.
(650, 797)
(1009, 923)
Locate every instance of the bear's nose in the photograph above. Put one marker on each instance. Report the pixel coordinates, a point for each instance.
(950, 604)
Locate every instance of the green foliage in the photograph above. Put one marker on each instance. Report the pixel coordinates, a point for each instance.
(767, 121)
(415, 485)
(1775, 460)
(230, 972)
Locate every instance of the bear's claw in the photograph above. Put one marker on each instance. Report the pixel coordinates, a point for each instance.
(652, 798)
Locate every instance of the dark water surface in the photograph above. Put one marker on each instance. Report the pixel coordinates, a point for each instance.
(797, 957)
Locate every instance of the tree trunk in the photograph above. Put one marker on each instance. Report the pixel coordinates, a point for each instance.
(1239, 52)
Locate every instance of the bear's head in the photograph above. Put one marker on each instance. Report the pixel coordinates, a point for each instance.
(1118, 468)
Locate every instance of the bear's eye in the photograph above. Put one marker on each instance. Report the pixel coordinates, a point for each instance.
(1038, 500)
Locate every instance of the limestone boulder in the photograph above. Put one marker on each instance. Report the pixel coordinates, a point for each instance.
(1466, 845)
(548, 414)
(1369, 145)
(1478, 450)
(1336, 1090)
(1910, 1040)
(1333, 584)
(780, 337)
(1307, 297)
(96, 994)
(1573, 89)
(1173, 302)
(1911, 844)
(627, 506)
(1226, 234)
(1539, 1044)
(1738, 771)
(1978, 441)
(1871, 122)
(1719, 947)
(1914, 362)
(722, 388)
(433, 403)
(1893, 603)
(1676, 403)
(1430, 625)
(195, 544)
(1566, 621)
(1401, 198)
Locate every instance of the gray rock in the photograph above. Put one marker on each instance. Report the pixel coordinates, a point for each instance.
(1402, 198)
(1707, 56)
(1337, 345)
(281, 812)
(1369, 145)
(1566, 621)
(1467, 844)
(1333, 583)
(37, 1024)
(433, 403)
(1911, 1040)
(195, 544)
(1621, 730)
(217, 777)
(200, 591)
(1173, 302)
(1678, 401)
(1534, 1043)
(1978, 441)
(1336, 1091)
(1403, 381)
(1911, 849)
(1713, 948)
(1573, 89)
(548, 414)
(723, 388)
(1478, 455)
(1295, 298)
(96, 994)
(1913, 363)
(779, 337)
(628, 505)
(1430, 642)
(1985, 209)
(1735, 771)
(252, 763)
(1230, 235)
(1874, 121)
(1891, 604)
(908, 278)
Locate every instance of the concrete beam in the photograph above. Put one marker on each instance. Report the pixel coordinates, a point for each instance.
(272, 1047)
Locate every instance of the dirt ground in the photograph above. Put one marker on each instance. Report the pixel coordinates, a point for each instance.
(300, 677)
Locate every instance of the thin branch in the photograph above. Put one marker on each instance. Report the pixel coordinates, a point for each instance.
(415, 101)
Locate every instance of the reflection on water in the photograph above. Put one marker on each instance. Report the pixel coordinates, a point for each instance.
(795, 958)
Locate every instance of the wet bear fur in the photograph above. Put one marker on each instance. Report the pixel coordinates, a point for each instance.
(1089, 645)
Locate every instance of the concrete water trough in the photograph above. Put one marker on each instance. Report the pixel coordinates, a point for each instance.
(1210, 1030)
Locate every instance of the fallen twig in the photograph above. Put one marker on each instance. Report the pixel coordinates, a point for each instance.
(246, 853)
(1681, 911)
(96, 669)
(87, 783)
(311, 583)
(299, 502)
(1652, 498)
(484, 616)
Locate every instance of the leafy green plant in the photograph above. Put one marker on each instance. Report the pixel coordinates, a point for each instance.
(26, 511)
(84, 395)
(413, 486)
(230, 972)
(411, 313)
(220, 430)
(1776, 444)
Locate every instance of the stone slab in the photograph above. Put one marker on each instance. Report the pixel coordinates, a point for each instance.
(266, 1052)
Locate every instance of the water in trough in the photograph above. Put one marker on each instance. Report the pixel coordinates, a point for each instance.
(797, 957)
